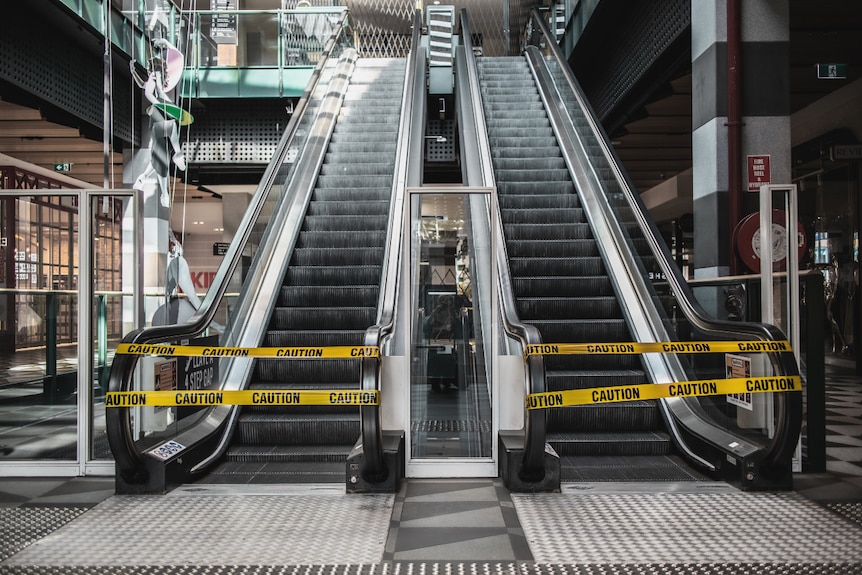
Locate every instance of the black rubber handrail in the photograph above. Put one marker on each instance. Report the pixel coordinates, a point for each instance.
(374, 469)
(788, 413)
(129, 461)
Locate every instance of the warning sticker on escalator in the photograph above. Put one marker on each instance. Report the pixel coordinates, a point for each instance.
(658, 347)
(241, 397)
(328, 352)
(662, 390)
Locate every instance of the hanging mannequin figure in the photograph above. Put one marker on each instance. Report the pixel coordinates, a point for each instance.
(164, 74)
(177, 274)
(177, 277)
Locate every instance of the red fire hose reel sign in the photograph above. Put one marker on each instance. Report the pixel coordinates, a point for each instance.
(759, 173)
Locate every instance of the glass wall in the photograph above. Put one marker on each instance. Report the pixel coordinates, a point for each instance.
(829, 211)
(56, 248)
(450, 391)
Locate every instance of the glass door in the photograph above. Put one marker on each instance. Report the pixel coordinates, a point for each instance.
(452, 422)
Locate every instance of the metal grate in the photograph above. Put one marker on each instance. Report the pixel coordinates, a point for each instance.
(382, 27)
(440, 425)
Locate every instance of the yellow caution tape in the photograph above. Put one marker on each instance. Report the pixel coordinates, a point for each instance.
(240, 397)
(704, 387)
(330, 352)
(658, 347)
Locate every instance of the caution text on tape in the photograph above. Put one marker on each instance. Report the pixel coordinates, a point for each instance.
(240, 397)
(328, 352)
(662, 390)
(657, 347)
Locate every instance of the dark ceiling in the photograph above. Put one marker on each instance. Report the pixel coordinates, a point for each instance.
(655, 142)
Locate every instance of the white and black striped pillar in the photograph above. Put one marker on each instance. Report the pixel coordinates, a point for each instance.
(740, 108)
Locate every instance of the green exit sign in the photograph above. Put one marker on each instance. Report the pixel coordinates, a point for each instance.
(832, 71)
(62, 167)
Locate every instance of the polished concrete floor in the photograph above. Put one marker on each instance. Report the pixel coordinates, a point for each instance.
(452, 526)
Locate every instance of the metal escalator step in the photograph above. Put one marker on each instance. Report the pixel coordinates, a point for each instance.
(544, 216)
(633, 416)
(500, 133)
(290, 428)
(340, 207)
(333, 158)
(358, 169)
(552, 163)
(626, 468)
(329, 275)
(339, 239)
(552, 249)
(515, 97)
(354, 146)
(343, 256)
(593, 362)
(563, 266)
(329, 295)
(512, 113)
(276, 472)
(364, 130)
(553, 287)
(558, 380)
(287, 453)
(533, 201)
(519, 141)
(342, 223)
(351, 195)
(586, 307)
(539, 231)
(351, 181)
(313, 338)
(272, 373)
(354, 318)
(583, 330)
(530, 188)
(606, 443)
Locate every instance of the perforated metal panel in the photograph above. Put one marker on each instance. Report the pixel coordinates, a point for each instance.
(620, 45)
(440, 143)
(60, 72)
(244, 131)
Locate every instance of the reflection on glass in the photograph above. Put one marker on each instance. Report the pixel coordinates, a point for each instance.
(39, 352)
(821, 247)
(450, 394)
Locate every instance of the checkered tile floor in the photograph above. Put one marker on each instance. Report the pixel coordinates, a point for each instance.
(844, 425)
(452, 527)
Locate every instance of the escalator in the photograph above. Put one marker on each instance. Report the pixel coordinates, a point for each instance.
(307, 269)
(582, 262)
(563, 288)
(328, 296)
